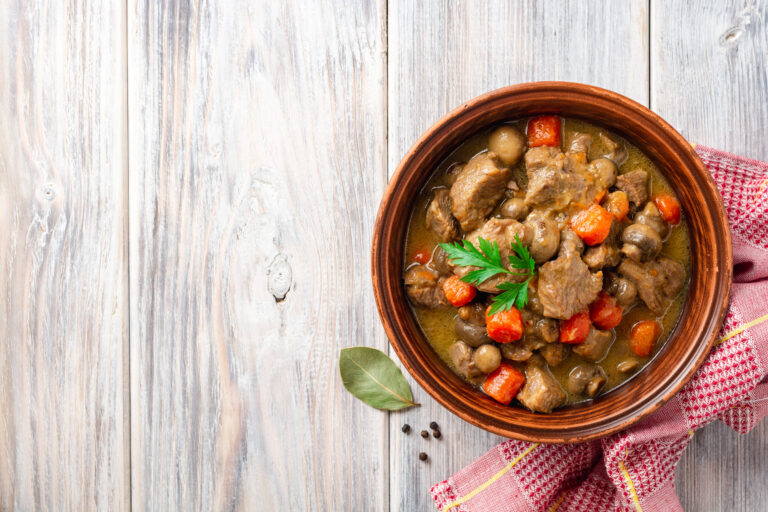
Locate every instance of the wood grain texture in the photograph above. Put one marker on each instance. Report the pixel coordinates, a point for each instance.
(63, 314)
(444, 53)
(711, 83)
(257, 151)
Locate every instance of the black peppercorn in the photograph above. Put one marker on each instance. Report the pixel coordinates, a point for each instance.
(434, 426)
(436, 434)
(424, 434)
(422, 456)
(406, 428)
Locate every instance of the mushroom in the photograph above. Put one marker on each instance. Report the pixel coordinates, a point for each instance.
(516, 352)
(514, 208)
(628, 365)
(473, 334)
(644, 238)
(623, 290)
(487, 358)
(544, 235)
(586, 379)
(508, 143)
(650, 216)
(604, 171)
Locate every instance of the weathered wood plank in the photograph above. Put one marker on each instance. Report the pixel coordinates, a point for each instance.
(709, 78)
(443, 53)
(63, 306)
(257, 152)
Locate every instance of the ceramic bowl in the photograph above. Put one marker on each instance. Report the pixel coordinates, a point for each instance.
(711, 262)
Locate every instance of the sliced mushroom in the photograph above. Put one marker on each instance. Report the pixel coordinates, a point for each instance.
(461, 356)
(586, 379)
(616, 151)
(487, 358)
(514, 208)
(515, 352)
(645, 238)
(628, 365)
(508, 143)
(440, 262)
(650, 216)
(473, 334)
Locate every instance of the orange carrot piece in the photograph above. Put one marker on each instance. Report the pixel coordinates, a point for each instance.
(503, 383)
(592, 225)
(643, 336)
(458, 292)
(544, 131)
(575, 329)
(504, 326)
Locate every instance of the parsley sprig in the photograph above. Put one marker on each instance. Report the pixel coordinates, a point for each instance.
(488, 260)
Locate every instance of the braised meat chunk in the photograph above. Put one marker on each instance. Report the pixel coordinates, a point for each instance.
(655, 281)
(635, 185)
(478, 189)
(440, 219)
(566, 286)
(549, 184)
(424, 287)
(541, 391)
(596, 346)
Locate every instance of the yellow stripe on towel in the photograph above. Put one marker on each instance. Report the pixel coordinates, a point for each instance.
(631, 486)
(741, 329)
(480, 488)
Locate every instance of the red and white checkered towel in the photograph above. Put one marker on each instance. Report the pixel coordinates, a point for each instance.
(634, 469)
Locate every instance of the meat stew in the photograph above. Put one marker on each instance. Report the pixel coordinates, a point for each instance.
(608, 248)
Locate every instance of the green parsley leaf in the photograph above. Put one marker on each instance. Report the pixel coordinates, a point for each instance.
(487, 259)
(522, 259)
(514, 294)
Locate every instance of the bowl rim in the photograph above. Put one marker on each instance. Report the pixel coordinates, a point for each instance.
(696, 351)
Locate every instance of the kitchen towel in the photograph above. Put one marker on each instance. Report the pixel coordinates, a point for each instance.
(635, 469)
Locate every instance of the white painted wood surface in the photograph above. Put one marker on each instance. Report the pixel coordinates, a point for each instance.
(712, 83)
(232, 190)
(63, 285)
(257, 150)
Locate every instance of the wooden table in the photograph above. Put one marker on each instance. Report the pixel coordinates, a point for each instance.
(187, 193)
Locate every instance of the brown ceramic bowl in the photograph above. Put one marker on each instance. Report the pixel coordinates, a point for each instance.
(711, 269)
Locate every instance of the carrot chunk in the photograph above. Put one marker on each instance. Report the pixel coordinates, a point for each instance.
(575, 329)
(605, 313)
(617, 204)
(669, 207)
(504, 326)
(503, 383)
(643, 336)
(544, 131)
(458, 292)
(592, 225)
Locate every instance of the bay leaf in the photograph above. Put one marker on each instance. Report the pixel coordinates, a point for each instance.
(374, 378)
